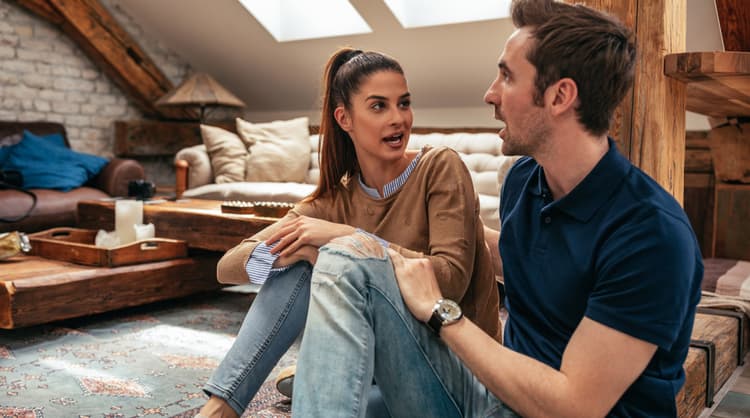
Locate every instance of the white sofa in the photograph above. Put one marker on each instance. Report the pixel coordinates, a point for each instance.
(480, 152)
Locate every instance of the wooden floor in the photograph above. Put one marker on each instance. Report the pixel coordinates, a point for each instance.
(733, 401)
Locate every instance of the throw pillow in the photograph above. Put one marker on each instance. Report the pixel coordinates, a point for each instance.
(279, 150)
(227, 152)
(46, 163)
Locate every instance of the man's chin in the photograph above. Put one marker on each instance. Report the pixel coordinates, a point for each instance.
(509, 149)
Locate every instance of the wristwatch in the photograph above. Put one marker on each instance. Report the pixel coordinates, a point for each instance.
(445, 312)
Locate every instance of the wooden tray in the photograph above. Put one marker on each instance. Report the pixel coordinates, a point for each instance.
(76, 245)
(265, 209)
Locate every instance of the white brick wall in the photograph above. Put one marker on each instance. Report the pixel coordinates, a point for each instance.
(45, 76)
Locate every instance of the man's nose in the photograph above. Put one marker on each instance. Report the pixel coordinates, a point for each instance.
(492, 95)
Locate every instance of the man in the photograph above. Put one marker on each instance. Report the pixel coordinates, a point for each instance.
(601, 267)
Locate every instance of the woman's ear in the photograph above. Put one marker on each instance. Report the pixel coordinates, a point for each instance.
(562, 96)
(342, 118)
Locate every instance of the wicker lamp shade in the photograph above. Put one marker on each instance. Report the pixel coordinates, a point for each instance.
(200, 89)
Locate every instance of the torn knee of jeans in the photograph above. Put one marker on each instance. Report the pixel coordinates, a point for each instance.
(358, 245)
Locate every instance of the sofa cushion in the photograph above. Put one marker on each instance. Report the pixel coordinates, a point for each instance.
(727, 277)
(46, 163)
(227, 152)
(252, 191)
(53, 208)
(279, 150)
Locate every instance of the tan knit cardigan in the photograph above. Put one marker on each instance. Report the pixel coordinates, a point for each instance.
(435, 214)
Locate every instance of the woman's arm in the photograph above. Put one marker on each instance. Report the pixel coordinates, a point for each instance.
(305, 231)
(232, 266)
(492, 239)
(453, 217)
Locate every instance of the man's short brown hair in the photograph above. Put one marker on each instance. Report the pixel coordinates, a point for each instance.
(590, 47)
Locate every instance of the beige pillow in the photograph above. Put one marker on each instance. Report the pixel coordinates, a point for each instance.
(279, 150)
(227, 152)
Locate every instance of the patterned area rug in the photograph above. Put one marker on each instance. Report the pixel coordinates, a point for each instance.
(150, 361)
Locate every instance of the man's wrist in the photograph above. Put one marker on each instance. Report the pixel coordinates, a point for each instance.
(445, 312)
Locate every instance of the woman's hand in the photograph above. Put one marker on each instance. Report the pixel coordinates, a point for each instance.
(306, 252)
(303, 231)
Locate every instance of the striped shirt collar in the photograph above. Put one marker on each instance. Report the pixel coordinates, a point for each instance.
(393, 186)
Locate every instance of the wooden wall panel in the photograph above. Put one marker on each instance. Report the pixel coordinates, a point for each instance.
(731, 228)
(734, 20)
(650, 125)
(699, 188)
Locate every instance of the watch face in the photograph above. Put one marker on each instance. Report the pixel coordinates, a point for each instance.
(449, 310)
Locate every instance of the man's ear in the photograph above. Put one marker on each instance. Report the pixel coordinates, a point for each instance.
(562, 96)
(342, 118)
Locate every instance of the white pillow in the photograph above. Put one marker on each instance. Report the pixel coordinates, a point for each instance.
(279, 150)
(227, 152)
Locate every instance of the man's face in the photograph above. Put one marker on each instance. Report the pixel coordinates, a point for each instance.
(512, 95)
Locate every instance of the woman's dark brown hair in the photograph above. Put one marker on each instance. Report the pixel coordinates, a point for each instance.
(345, 71)
(593, 49)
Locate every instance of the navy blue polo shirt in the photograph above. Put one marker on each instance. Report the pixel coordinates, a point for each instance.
(617, 249)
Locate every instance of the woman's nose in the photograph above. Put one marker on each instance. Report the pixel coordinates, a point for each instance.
(397, 116)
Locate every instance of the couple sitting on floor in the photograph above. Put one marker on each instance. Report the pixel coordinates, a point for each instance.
(386, 268)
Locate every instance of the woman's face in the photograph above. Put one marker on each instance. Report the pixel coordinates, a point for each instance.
(379, 118)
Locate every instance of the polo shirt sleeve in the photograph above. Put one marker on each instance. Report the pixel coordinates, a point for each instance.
(644, 278)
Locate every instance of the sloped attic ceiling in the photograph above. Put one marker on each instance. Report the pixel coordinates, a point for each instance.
(447, 66)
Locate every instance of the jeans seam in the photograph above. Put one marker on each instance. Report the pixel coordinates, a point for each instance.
(421, 348)
(274, 332)
(364, 384)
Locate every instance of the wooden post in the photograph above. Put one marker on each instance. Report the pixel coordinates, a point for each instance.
(649, 124)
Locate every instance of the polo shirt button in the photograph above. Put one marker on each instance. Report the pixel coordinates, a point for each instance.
(548, 220)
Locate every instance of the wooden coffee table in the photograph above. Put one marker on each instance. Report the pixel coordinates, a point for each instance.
(199, 222)
(36, 290)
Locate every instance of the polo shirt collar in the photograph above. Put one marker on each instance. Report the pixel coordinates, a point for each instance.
(593, 191)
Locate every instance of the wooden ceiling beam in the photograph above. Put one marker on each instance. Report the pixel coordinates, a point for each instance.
(115, 52)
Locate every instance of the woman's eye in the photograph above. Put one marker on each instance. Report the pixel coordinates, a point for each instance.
(405, 104)
(377, 105)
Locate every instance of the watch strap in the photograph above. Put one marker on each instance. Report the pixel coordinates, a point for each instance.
(435, 322)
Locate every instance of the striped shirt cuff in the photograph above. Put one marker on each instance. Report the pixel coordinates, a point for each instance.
(382, 242)
(259, 267)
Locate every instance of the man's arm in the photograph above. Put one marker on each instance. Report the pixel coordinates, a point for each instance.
(598, 364)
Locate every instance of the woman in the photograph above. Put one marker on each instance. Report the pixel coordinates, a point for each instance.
(417, 202)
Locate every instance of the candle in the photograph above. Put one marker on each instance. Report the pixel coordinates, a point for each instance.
(144, 231)
(128, 213)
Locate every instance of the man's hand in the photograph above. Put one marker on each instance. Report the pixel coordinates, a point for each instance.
(307, 253)
(418, 284)
(303, 231)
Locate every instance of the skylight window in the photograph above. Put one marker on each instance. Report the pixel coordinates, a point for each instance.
(420, 13)
(294, 20)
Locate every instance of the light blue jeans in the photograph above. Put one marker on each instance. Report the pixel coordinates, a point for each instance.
(358, 327)
(275, 319)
